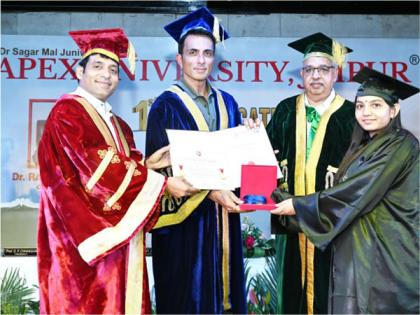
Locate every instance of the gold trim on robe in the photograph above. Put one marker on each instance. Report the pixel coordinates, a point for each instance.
(300, 171)
(300, 146)
(316, 148)
(123, 186)
(135, 270)
(103, 128)
(192, 107)
(97, 174)
(99, 122)
(121, 135)
(183, 212)
(137, 212)
(224, 123)
(225, 258)
(102, 51)
(305, 177)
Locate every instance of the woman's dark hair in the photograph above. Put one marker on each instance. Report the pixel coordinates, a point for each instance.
(195, 32)
(359, 139)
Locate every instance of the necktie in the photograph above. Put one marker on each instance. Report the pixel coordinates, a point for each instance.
(313, 118)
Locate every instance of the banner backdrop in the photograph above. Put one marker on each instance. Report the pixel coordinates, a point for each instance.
(258, 72)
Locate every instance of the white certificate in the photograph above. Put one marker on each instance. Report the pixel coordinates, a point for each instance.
(212, 160)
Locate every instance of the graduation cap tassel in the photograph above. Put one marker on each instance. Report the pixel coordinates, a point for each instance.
(223, 38)
(131, 56)
(216, 29)
(338, 53)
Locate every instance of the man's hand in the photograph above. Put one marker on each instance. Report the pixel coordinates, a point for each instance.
(284, 208)
(160, 159)
(226, 199)
(179, 187)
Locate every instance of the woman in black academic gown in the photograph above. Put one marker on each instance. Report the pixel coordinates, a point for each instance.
(371, 217)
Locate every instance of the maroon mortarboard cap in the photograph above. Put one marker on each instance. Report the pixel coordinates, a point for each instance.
(111, 42)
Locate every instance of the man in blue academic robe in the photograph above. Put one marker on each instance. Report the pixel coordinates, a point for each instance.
(197, 248)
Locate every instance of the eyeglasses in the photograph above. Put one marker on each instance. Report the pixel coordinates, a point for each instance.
(322, 70)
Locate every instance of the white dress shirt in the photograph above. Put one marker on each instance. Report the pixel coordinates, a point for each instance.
(321, 108)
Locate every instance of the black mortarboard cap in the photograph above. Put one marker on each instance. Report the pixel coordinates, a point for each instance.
(199, 19)
(374, 83)
(319, 44)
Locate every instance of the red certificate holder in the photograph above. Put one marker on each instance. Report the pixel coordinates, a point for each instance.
(258, 180)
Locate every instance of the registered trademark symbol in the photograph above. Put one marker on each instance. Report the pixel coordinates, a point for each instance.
(414, 59)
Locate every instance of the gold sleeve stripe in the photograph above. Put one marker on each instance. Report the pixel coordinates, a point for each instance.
(183, 212)
(122, 188)
(100, 170)
(109, 237)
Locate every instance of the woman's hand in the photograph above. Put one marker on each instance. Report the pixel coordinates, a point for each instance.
(284, 208)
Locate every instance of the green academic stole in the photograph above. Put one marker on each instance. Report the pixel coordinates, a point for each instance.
(305, 177)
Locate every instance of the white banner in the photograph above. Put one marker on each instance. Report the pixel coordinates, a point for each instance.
(258, 72)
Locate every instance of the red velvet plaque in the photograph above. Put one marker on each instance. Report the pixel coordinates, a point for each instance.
(258, 181)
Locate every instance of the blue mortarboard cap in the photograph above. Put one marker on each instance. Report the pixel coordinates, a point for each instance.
(200, 19)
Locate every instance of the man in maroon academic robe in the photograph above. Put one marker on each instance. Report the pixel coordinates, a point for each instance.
(97, 198)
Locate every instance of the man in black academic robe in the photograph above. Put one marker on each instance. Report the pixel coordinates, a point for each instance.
(311, 132)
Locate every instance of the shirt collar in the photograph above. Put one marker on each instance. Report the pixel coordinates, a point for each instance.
(321, 108)
(191, 92)
(104, 108)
